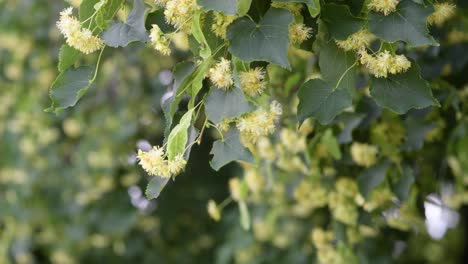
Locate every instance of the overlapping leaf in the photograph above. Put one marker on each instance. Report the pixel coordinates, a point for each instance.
(407, 23)
(266, 41)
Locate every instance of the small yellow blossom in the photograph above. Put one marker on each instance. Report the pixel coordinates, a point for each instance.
(253, 81)
(383, 6)
(292, 141)
(213, 210)
(383, 63)
(442, 13)
(265, 149)
(220, 24)
(154, 162)
(179, 12)
(259, 123)
(221, 74)
(294, 8)
(299, 33)
(159, 41)
(77, 37)
(255, 181)
(235, 187)
(343, 208)
(177, 164)
(364, 154)
(356, 41)
(161, 2)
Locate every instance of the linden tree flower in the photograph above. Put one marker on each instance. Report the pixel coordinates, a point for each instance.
(154, 162)
(364, 154)
(77, 37)
(383, 6)
(213, 210)
(235, 187)
(299, 33)
(161, 2)
(442, 13)
(383, 63)
(356, 41)
(177, 164)
(221, 74)
(260, 123)
(220, 24)
(159, 41)
(253, 81)
(179, 12)
(294, 8)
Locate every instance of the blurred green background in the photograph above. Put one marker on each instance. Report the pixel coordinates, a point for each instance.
(70, 191)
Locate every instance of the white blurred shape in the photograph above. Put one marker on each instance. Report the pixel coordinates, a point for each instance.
(144, 145)
(165, 77)
(439, 218)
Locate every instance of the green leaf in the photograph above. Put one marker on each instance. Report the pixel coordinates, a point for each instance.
(198, 77)
(403, 186)
(416, 130)
(183, 76)
(315, 9)
(228, 150)
(67, 57)
(336, 65)
(121, 34)
(104, 14)
(178, 137)
(155, 186)
(317, 99)
(226, 104)
(244, 215)
(403, 91)
(407, 23)
(243, 7)
(69, 87)
(266, 41)
(339, 21)
(197, 33)
(308, 2)
(350, 122)
(228, 7)
(331, 144)
(372, 177)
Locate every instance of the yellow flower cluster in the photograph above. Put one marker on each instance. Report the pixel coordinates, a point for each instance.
(442, 13)
(255, 181)
(77, 37)
(342, 201)
(161, 2)
(179, 12)
(221, 74)
(356, 41)
(326, 251)
(159, 41)
(383, 63)
(293, 141)
(236, 189)
(213, 210)
(255, 125)
(154, 162)
(364, 154)
(221, 22)
(383, 6)
(309, 196)
(299, 33)
(253, 81)
(294, 8)
(265, 149)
